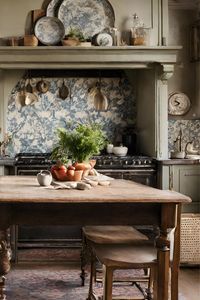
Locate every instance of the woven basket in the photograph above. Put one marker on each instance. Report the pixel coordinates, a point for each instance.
(190, 239)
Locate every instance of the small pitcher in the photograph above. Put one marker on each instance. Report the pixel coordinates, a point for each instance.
(44, 178)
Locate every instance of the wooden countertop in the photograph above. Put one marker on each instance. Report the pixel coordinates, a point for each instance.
(25, 189)
(178, 161)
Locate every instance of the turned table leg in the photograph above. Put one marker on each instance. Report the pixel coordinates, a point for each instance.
(5, 256)
(168, 221)
(163, 268)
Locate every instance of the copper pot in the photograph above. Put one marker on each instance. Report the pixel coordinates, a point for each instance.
(42, 86)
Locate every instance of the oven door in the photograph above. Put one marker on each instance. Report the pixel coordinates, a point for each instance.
(145, 176)
(28, 170)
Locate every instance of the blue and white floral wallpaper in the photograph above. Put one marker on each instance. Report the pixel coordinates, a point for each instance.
(33, 127)
(190, 132)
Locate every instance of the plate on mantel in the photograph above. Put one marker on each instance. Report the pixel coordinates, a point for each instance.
(89, 16)
(52, 8)
(49, 30)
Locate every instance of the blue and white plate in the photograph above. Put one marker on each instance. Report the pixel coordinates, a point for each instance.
(89, 16)
(49, 30)
(52, 8)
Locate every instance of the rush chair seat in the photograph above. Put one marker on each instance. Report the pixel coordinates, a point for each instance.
(106, 235)
(114, 257)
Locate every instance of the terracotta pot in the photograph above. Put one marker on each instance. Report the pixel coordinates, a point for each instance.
(84, 166)
(78, 175)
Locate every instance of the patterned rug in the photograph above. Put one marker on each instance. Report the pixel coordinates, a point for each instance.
(54, 282)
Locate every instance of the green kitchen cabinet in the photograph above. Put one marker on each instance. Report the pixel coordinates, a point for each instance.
(185, 179)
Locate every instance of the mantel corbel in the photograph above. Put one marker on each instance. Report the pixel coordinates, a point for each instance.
(167, 72)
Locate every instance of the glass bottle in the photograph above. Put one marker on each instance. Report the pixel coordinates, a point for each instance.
(138, 32)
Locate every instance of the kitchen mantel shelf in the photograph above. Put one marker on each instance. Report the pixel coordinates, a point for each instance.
(60, 57)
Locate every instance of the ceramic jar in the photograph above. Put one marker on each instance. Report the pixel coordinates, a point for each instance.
(109, 148)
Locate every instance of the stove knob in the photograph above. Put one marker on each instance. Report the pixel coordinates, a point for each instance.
(138, 162)
(145, 162)
(133, 162)
(126, 162)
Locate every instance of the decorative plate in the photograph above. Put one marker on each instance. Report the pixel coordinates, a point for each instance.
(178, 104)
(104, 39)
(49, 30)
(89, 16)
(52, 8)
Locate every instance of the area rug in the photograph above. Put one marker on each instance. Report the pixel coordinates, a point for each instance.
(54, 282)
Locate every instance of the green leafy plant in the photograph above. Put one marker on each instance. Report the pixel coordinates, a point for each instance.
(75, 33)
(80, 143)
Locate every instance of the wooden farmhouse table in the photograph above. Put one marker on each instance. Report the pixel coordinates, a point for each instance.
(24, 202)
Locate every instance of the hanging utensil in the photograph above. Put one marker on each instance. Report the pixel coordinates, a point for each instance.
(100, 100)
(63, 91)
(28, 87)
(20, 96)
(42, 86)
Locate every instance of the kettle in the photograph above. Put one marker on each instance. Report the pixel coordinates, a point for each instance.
(44, 178)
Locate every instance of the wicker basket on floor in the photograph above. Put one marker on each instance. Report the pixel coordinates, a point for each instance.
(190, 238)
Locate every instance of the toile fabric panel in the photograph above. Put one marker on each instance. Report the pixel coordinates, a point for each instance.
(33, 127)
(190, 132)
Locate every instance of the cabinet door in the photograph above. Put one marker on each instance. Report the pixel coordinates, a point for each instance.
(1, 170)
(186, 180)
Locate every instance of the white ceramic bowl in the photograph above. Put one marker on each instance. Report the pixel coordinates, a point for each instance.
(177, 154)
(120, 151)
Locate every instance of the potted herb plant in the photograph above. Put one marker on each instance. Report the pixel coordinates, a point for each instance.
(78, 145)
(75, 38)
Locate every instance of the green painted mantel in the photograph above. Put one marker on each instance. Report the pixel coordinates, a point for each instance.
(122, 57)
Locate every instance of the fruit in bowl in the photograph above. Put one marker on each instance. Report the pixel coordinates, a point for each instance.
(120, 151)
(78, 145)
(59, 172)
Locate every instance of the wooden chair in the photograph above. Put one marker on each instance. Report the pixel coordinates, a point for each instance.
(140, 254)
(104, 235)
(114, 257)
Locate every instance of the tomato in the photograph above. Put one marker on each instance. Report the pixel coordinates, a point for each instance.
(71, 168)
(82, 166)
(79, 166)
(59, 172)
(70, 174)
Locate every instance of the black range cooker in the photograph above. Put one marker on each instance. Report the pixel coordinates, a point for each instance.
(141, 169)
(138, 168)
